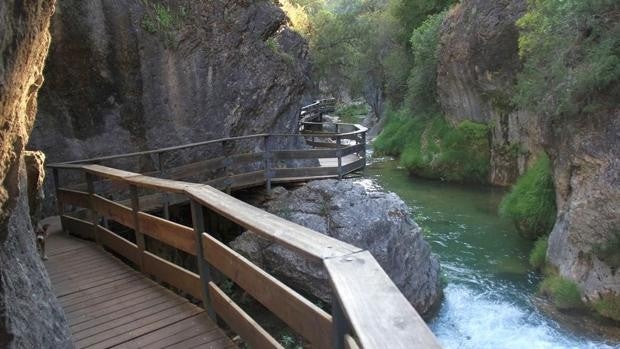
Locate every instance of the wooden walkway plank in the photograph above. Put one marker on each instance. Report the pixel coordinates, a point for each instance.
(109, 304)
(144, 326)
(182, 330)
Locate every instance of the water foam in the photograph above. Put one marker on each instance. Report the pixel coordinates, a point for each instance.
(469, 319)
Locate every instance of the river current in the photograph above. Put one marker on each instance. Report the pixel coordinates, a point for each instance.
(490, 294)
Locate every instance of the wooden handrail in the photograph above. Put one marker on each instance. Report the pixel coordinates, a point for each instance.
(366, 302)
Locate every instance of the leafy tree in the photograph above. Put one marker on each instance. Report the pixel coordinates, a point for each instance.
(571, 50)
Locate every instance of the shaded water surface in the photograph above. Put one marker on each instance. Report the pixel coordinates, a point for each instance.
(490, 292)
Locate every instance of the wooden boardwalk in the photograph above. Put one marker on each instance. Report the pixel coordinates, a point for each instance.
(110, 305)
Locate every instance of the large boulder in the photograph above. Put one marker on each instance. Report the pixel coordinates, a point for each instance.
(356, 213)
(122, 77)
(30, 316)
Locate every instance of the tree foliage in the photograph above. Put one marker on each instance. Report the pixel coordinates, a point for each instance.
(571, 50)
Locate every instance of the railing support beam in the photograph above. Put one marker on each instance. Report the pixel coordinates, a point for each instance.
(94, 218)
(340, 324)
(60, 207)
(135, 206)
(204, 269)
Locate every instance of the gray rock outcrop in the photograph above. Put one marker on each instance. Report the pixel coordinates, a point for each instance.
(357, 214)
(30, 316)
(477, 70)
(478, 66)
(120, 79)
(586, 157)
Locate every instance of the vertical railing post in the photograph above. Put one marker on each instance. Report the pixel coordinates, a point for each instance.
(203, 267)
(227, 164)
(135, 206)
(94, 218)
(340, 325)
(165, 196)
(364, 149)
(338, 142)
(60, 207)
(267, 161)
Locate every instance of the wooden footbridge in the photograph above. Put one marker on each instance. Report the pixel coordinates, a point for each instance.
(121, 291)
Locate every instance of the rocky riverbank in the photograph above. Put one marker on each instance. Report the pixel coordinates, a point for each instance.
(357, 212)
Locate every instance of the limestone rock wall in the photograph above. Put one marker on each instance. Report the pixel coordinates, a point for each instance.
(30, 316)
(478, 66)
(477, 70)
(118, 81)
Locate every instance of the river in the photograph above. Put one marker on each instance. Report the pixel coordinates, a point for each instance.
(490, 291)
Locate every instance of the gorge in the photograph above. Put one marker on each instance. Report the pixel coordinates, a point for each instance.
(514, 103)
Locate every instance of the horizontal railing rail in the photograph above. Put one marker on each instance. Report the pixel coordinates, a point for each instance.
(368, 309)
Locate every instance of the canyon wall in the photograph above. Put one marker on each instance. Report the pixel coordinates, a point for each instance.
(30, 316)
(477, 71)
(128, 75)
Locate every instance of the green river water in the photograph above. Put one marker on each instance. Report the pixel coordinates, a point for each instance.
(491, 291)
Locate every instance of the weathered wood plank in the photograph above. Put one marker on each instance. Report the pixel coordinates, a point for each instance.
(352, 149)
(170, 233)
(269, 226)
(78, 226)
(167, 185)
(114, 211)
(355, 165)
(73, 197)
(172, 274)
(300, 314)
(239, 321)
(119, 245)
(305, 154)
(194, 168)
(246, 158)
(305, 172)
(378, 313)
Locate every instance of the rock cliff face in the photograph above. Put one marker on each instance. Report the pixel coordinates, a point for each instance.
(364, 217)
(29, 314)
(132, 75)
(478, 66)
(586, 158)
(477, 70)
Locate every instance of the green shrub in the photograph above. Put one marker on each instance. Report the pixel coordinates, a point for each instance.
(467, 153)
(163, 20)
(392, 139)
(422, 82)
(538, 255)
(531, 202)
(571, 53)
(608, 306)
(429, 147)
(350, 113)
(562, 292)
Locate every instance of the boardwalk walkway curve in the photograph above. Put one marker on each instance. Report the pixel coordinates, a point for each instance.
(368, 309)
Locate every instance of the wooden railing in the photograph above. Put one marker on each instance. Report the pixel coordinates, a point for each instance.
(368, 309)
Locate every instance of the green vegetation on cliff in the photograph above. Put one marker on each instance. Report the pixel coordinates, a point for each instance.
(571, 50)
(429, 147)
(531, 202)
(562, 292)
(538, 256)
(608, 306)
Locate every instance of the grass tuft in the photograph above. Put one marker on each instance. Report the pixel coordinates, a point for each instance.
(608, 306)
(531, 202)
(562, 292)
(538, 255)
